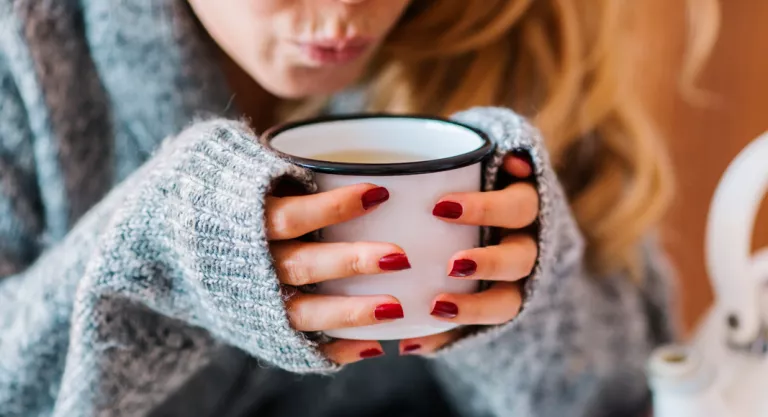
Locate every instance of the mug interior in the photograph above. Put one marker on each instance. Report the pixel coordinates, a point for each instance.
(425, 144)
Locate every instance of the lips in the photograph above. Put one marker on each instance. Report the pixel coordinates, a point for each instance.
(334, 51)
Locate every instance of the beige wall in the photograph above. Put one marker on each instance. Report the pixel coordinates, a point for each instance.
(705, 140)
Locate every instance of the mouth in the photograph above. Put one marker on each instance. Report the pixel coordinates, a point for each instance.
(334, 51)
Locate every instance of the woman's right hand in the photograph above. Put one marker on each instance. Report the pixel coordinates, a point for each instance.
(300, 263)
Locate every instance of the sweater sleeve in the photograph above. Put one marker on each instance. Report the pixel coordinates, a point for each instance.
(579, 345)
(172, 263)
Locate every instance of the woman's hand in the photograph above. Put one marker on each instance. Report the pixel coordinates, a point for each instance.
(302, 263)
(505, 264)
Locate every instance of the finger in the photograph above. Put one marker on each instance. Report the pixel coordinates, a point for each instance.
(345, 351)
(291, 217)
(496, 305)
(512, 208)
(301, 263)
(517, 165)
(314, 312)
(511, 260)
(428, 344)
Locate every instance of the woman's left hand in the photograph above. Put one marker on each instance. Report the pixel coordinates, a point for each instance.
(505, 264)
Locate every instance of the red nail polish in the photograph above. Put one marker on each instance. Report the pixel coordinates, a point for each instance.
(371, 353)
(463, 268)
(411, 348)
(374, 197)
(445, 309)
(394, 262)
(448, 210)
(388, 312)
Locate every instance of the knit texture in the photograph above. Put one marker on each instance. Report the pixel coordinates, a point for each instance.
(133, 260)
(578, 345)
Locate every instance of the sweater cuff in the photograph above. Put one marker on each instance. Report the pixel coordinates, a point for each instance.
(202, 218)
(226, 180)
(557, 229)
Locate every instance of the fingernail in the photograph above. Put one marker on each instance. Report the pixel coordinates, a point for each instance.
(394, 262)
(374, 197)
(463, 268)
(525, 158)
(388, 312)
(371, 353)
(411, 348)
(448, 210)
(445, 309)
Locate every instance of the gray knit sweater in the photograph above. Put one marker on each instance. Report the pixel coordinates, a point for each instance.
(134, 270)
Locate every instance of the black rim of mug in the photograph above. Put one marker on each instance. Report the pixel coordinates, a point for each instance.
(404, 168)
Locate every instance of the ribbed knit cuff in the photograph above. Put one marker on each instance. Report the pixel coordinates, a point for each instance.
(557, 229)
(210, 185)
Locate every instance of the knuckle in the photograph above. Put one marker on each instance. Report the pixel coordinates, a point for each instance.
(516, 298)
(525, 255)
(508, 316)
(334, 354)
(281, 224)
(351, 318)
(500, 319)
(329, 352)
(483, 209)
(518, 250)
(356, 261)
(336, 210)
(295, 273)
(296, 314)
(530, 207)
(505, 316)
(507, 304)
(531, 255)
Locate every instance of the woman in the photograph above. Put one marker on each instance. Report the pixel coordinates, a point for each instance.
(149, 278)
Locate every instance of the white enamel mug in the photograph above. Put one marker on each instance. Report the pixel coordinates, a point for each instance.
(429, 157)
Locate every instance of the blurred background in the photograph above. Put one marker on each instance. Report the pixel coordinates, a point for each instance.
(704, 139)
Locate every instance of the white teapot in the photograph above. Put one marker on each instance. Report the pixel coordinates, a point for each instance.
(723, 372)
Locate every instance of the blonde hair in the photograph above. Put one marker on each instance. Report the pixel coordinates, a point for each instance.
(567, 65)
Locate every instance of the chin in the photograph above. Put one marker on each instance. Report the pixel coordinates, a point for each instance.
(301, 90)
(308, 82)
